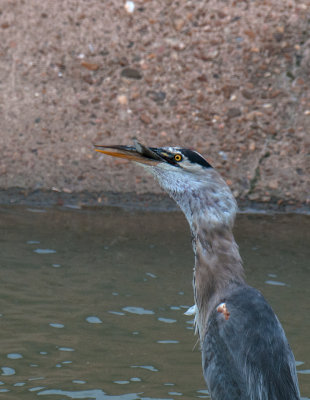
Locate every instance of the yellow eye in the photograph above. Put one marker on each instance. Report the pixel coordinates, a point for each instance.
(177, 157)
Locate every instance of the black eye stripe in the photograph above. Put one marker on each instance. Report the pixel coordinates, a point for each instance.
(168, 156)
(195, 158)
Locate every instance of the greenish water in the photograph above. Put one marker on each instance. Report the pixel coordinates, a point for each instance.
(92, 302)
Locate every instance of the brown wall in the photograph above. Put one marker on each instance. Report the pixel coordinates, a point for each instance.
(228, 78)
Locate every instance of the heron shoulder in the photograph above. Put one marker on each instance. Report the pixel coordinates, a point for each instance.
(248, 337)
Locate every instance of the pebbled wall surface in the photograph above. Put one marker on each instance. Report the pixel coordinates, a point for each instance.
(229, 78)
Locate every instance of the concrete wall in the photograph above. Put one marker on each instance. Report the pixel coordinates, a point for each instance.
(228, 78)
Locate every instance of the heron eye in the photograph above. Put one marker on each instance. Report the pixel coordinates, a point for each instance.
(177, 157)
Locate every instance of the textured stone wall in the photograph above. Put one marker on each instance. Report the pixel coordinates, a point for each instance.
(228, 78)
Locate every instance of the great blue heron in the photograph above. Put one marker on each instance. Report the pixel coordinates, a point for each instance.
(245, 354)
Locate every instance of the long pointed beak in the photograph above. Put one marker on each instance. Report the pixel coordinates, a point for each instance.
(138, 153)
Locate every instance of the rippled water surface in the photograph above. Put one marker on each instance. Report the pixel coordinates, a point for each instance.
(92, 302)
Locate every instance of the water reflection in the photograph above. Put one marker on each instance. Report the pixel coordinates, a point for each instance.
(138, 310)
(56, 325)
(91, 394)
(98, 311)
(6, 371)
(167, 320)
(14, 356)
(147, 367)
(94, 320)
(275, 283)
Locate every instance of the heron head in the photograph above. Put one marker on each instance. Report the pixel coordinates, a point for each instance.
(185, 174)
(172, 166)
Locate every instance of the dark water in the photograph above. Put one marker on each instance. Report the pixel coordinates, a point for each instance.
(92, 302)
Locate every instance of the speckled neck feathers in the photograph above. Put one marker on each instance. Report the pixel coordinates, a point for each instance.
(218, 268)
(210, 209)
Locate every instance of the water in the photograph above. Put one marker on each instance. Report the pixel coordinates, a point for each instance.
(92, 302)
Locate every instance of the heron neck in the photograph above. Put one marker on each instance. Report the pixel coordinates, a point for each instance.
(218, 267)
